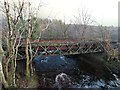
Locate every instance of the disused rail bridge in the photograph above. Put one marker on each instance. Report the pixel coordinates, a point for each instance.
(63, 47)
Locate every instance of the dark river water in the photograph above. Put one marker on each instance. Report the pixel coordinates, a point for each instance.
(77, 71)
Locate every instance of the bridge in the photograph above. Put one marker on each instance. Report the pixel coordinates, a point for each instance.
(63, 47)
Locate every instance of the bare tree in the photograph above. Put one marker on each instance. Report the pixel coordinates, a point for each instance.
(16, 30)
(30, 52)
(82, 20)
(106, 41)
(12, 14)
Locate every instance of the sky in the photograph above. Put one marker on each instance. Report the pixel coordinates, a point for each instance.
(104, 12)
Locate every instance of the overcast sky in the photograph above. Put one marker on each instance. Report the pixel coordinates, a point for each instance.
(105, 12)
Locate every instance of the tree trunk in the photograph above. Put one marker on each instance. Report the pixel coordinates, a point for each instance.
(27, 60)
(2, 77)
(11, 61)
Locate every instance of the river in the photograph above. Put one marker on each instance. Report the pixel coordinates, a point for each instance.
(76, 71)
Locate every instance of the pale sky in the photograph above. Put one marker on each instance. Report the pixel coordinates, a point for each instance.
(103, 11)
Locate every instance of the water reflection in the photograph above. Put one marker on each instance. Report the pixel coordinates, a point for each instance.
(54, 63)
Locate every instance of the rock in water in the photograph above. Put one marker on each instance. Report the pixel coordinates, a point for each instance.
(62, 81)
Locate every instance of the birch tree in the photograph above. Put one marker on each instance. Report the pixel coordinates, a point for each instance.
(12, 13)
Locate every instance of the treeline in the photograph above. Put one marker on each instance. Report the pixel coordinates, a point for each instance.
(47, 29)
(56, 29)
